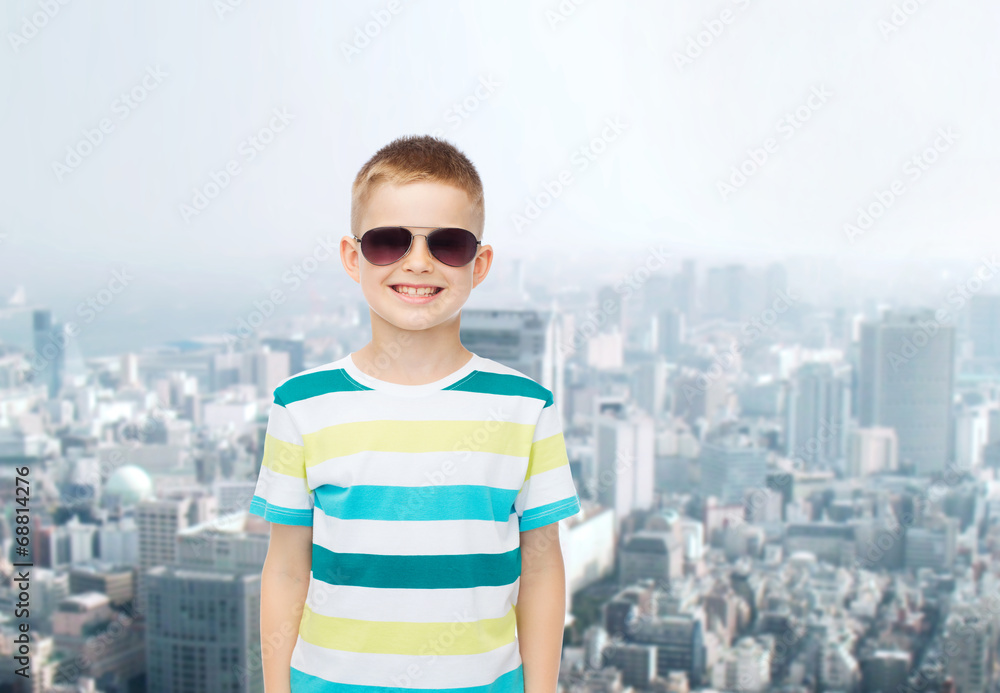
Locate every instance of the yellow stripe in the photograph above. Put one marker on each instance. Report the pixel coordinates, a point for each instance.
(403, 637)
(282, 457)
(547, 453)
(500, 437)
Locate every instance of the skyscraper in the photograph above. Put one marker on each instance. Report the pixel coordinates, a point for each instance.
(728, 471)
(624, 454)
(670, 333)
(818, 412)
(984, 331)
(49, 359)
(907, 376)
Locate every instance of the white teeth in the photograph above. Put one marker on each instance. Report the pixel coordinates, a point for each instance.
(410, 291)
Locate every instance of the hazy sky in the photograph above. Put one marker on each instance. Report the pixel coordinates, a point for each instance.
(869, 85)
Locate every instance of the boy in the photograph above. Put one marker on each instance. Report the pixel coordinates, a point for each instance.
(414, 488)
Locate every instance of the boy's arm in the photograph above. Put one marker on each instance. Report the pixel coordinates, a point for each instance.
(284, 582)
(541, 608)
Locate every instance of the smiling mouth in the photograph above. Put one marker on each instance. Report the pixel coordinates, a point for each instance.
(399, 289)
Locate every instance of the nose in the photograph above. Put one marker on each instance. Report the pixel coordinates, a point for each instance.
(419, 255)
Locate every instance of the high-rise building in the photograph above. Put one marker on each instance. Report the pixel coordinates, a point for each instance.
(203, 619)
(932, 545)
(871, 451)
(729, 471)
(984, 330)
(49, 360)
(679, 645)
(972, 664)
(907, 375)
(699, 396)
(650, 386)
(263, 368)
(295, 348)
(159, 521)
(818, 411)
(520, 339)
(726, 290)
(636, 662)
(202, 631)
(651, 555)
(744, 667)
(670, 333)
(610, 306)
(269, 368)
(685, 291)
(625, 457)
(884, 671)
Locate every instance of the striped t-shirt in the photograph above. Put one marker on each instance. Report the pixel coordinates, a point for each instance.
(416, 495)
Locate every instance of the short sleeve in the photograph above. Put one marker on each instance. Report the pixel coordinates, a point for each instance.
(282, 494)
(548, 493)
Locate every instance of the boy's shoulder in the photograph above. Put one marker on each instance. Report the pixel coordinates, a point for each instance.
(300, 385)
(512, 381)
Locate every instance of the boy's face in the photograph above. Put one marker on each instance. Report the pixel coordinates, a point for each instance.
(428, 204)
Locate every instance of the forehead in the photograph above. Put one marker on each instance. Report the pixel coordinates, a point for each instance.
(422, 203)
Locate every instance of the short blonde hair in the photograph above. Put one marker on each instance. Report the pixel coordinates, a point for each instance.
(414, 158)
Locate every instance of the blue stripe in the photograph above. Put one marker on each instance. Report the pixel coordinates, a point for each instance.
(309, 385)
(301, 682)
(491, 383)
(283, 516)
(452, 502)
(418, 572)
(533, 518)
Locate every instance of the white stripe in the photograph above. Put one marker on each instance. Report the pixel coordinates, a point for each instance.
(548, 487)
(548, 423)
(281, 489)
(380, 468)
(432, 670)
(411, 605)
(410, 538)
(317, 412)
(281, 426)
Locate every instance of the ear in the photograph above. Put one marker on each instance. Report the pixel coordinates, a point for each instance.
(350, 257)
(481, 265)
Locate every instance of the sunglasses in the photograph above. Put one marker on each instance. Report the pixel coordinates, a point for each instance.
(387, 244)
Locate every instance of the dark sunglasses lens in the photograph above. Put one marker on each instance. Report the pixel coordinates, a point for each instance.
(385, 246)
(454, 247)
